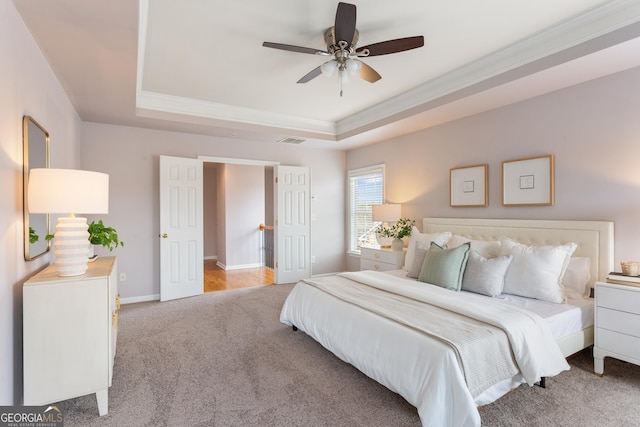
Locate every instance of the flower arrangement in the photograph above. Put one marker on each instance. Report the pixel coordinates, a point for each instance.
(402, 228)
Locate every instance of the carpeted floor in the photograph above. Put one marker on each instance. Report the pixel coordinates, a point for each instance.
(224, 359)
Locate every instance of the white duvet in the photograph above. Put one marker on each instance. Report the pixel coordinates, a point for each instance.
(425, 371)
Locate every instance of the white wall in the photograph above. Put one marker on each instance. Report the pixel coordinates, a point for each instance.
(209, 211)
(130, 157)
(244, 206)
(592, 129)
(28, 87)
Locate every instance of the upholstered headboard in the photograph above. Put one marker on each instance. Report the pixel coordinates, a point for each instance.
(594, 238)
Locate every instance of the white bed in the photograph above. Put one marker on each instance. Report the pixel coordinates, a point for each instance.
(426, 371)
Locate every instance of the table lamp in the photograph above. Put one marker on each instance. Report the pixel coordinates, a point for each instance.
(69, 191)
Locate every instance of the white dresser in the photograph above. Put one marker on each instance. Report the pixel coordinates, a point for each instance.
(380, 259)
(69, 334)
(617, 324)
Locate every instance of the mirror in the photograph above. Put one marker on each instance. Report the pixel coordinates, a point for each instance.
(35, 143)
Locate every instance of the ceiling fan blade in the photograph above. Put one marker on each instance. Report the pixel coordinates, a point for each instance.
(292, 48)
(345, 25)
(310, 75)
(392, 46)
(369, 74)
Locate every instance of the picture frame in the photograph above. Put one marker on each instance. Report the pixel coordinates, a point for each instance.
(528, 182)
(468, 186)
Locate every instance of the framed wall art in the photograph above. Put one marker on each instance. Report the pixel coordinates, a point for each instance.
(528, 182)
(468, 186)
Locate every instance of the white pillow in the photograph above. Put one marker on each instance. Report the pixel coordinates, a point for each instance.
(439, 239)
(415, 268)
(485, 275)
(536, 271)
(576, 279)
(486, 248)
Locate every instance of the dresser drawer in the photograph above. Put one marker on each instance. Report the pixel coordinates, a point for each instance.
(619, 321)
(381, 255)
(368, 264)
(618, 298)
(616, 342)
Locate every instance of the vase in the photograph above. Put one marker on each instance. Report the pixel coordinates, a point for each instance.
(397, 244)
(384, 241)
(92, 253)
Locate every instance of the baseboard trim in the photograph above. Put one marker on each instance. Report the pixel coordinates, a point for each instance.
(144, 298)
(238, 267)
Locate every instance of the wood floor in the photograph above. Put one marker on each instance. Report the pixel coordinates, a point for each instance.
(217, 279)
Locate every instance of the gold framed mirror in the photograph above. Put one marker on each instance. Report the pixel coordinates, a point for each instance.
(35, 146)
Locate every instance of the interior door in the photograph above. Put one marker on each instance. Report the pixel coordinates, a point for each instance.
(181, 229)
(292, 226)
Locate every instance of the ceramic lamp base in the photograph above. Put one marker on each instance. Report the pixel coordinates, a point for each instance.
(71, 246)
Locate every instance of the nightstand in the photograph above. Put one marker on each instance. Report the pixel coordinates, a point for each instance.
(380, 259)
(617, 324)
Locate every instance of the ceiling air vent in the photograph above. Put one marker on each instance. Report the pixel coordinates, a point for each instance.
(291, 141)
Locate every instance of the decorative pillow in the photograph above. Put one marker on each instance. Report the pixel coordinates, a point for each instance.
(485, 275)
(486, 248)
(445, 267)
(536, 271)
(425, 238)
(576, 279)
(418, 260)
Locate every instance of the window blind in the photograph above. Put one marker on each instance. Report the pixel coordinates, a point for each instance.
(366, 188)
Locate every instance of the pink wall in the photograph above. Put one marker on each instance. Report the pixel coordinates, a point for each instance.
(130, 157)
(592, 129)
(28, 87)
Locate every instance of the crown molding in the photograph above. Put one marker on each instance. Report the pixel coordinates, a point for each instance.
(596, 29)
(533, 54)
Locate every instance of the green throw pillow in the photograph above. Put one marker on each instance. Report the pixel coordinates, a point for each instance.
(445, 267)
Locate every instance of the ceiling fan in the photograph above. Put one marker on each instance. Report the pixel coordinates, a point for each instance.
(342, 40)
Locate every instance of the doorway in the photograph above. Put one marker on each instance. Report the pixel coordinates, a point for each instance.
(181, 207)
(237, 202)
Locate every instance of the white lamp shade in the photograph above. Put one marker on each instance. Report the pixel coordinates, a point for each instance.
(68, 191)
(387, 212)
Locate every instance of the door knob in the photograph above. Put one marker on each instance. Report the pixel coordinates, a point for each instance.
(165, 235)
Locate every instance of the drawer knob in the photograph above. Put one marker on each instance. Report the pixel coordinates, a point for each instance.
(376, 266)
(376, 255)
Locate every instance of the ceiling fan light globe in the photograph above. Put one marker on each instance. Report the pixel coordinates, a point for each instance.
(328, 68)
(353, 66)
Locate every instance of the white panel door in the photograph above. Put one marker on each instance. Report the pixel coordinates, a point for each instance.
(292, 225)
(181, 229)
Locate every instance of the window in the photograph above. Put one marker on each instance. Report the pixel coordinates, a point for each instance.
(366, 188)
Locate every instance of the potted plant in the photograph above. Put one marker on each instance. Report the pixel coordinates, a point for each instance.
(99, 234)
(394, 234)
(33, 236)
